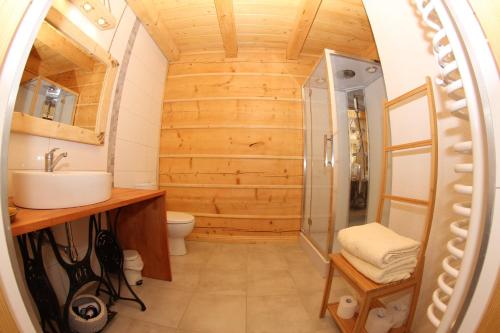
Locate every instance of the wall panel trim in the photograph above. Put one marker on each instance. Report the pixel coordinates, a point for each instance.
(257, 217)
(271, 157)
(257, 127)
(236, 186)
(238, 74)
(261, 98)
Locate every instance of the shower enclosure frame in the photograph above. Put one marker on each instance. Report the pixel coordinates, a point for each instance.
(331, 103)
(305, 165)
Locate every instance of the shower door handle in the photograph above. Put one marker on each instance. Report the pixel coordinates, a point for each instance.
(327, 138)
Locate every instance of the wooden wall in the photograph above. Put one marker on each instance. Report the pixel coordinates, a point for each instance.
(89, 85)
(231, 143)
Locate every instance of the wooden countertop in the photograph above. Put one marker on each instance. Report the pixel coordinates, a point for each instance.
(28, 220)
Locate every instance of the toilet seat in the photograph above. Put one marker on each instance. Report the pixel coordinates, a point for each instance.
(179, 218)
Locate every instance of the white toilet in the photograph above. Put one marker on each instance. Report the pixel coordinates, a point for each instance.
(179, 225)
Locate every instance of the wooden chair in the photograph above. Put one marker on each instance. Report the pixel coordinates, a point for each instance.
(369, 291)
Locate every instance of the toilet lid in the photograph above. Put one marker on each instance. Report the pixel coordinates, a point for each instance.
(179, 217)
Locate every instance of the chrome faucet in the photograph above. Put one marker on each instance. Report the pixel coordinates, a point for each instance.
(50, 162)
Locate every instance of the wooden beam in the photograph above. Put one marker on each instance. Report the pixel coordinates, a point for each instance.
(24, 123)
(156, 28)
(49, 36)
(306, 14)
(227, 26)
(34, 63)
(371, 52)
(36, 66)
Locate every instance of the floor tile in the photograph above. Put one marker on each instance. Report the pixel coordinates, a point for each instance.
(215, 313)
(333, 329)
(231, 282)
(277, 314)
(233, 288)
(307, 278)
(165, 306)
(312, 303)
(193, 246)
(296, 257)
(267, 283)
(122, 324)
(187, 280)
(233, 247)
(260, 258)
(198, 255)
(226, 259)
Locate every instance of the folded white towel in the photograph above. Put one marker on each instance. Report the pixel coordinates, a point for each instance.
(377, 244)
(392, 273)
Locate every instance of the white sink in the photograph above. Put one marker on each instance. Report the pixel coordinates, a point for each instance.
(60, 189)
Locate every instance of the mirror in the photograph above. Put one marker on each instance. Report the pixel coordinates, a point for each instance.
(66, 85)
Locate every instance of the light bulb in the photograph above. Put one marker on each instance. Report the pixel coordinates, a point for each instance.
(87, 7)
(101, 21)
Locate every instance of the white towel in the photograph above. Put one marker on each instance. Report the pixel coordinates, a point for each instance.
(377, 244)
(392, 273)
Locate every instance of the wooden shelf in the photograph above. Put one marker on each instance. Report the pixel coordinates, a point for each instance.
(28, 220)
(141, 226)
(347, 325)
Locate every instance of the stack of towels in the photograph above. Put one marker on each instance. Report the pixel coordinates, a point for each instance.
(378, 252)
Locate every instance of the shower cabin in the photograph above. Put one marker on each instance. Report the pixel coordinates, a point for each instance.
(343, 100)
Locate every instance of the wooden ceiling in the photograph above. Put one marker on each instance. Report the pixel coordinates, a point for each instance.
(298, 26)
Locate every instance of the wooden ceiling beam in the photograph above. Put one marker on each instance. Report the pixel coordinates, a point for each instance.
(227, 26)
(306, 14)
(51, 37)
(156, 28)
(36, 67)
(34, 63)
(371, 52)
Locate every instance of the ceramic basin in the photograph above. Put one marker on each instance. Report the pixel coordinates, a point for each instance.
(60, 189)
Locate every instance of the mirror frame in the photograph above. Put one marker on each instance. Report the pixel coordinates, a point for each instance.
(24, 123)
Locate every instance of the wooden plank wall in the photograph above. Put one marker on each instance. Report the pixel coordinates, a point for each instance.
(89, 85)
(231, 143)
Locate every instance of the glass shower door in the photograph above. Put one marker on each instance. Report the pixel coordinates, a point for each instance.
(318, 158)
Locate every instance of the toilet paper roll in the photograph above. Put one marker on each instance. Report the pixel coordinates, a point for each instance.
(399, 311)
(347, 307)
(378, 321)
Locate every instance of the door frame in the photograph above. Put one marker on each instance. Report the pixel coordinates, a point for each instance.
(22, 20)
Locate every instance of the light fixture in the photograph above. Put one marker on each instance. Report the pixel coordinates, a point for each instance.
(346, 74)
(87, 7)
(371, 69)
(320, 80)
(97, 11)
(102, 22)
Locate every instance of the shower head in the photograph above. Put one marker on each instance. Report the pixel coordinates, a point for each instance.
(346, 74)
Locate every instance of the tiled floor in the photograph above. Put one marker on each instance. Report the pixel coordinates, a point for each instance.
(232, 288)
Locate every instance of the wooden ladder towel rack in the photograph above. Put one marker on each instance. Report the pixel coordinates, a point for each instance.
(369, 291)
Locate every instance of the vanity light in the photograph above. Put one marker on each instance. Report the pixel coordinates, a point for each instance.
(102, 22)
(87, 7)
(98, 12)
